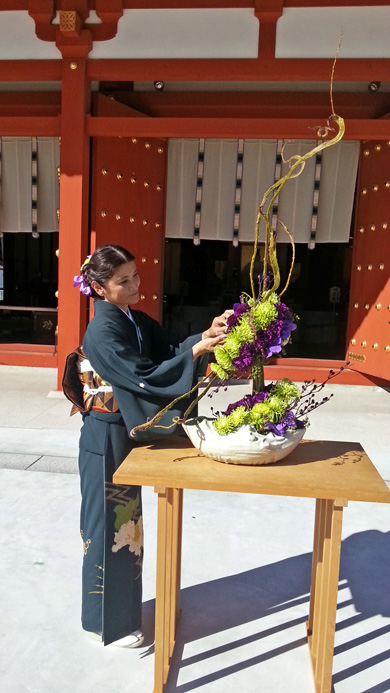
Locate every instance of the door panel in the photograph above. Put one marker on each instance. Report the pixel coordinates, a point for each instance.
(128, 202)
(369, 310)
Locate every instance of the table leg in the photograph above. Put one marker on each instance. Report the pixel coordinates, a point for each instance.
(169, 527)
(168, 583)
(177, 518)
(324, 587)
(160, 645)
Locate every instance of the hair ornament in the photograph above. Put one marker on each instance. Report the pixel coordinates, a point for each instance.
(85, 263)
(79, 280)
(85, 289)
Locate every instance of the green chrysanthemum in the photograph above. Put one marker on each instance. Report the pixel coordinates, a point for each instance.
(286, 389)
(222, 375)
(259, 415)
(225, 424)
(244, 330)
(276, 408)
(222, 425)
(232, 344)
(222, 357)
(263, 314)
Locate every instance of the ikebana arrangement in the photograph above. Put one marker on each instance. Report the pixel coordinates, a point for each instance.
(268, 424)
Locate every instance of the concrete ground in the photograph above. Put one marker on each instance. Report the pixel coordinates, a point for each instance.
(246, 566)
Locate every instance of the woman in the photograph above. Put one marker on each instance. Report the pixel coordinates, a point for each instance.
(134, 369)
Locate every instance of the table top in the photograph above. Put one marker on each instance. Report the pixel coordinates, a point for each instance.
(315, 469)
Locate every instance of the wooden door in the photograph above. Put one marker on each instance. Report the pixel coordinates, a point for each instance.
(128, 202)
(369, 310)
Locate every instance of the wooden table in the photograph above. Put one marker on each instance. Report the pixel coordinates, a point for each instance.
(331, 472)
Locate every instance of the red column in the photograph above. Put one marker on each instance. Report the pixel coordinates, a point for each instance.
(74, 204)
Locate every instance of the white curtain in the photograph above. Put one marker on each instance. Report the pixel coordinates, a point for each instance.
(181, 189)
(16, 184)
(294, 207)
(338, 179)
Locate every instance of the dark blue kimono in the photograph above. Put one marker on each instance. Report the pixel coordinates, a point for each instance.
(146, 372)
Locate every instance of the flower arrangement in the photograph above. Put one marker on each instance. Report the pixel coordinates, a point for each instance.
(260, 326)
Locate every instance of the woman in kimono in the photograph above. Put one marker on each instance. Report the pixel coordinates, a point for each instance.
(131, 368)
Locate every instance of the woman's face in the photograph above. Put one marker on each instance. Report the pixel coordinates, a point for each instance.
(122, 288)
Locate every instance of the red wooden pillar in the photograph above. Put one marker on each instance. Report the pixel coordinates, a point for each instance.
(74, 192)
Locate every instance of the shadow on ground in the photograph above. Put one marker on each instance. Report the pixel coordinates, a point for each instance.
(282, 587)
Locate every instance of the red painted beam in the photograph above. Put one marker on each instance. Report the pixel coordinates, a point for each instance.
(243, 69)
(19, 126)
(192, 70)
(255, 104)
(30, 70)
(268, 128)
(208, 4)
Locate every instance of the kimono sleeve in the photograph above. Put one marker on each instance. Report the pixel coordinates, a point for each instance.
(118, 361)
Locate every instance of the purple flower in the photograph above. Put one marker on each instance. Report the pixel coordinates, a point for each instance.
(249, 400)
(248, 352)
(84, 287)
(287, 327)
(280, 428)
(272, 350)
(269, 340)
(239, 310)
(283, 311)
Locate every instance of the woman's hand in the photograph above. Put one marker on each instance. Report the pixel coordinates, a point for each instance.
(207, 345)
(218, 326)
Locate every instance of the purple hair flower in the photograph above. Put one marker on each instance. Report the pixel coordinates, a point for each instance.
(85, 289)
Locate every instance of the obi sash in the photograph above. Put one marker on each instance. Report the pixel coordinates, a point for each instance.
(84, 387)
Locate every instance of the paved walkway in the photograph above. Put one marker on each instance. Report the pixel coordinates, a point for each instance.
(246, 566)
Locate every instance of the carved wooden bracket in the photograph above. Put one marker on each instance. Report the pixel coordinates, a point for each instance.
(70, 23)
(268, 12)
(110, 12)
(73, 26)
(43, 12)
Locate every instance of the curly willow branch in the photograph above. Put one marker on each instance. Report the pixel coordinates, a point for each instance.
(296, 162)
(153, 422)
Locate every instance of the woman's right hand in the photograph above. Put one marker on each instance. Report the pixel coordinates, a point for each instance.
(206, 345)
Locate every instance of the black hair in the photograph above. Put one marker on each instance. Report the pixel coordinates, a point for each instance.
(103, 263)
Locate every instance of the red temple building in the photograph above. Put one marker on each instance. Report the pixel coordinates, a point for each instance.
(159, 126)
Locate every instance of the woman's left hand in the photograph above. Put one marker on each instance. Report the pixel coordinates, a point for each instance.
(218, 326)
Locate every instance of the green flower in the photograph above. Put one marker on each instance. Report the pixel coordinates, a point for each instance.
(223, 359)
(244, 331)
(225, 424)
(276, 408)
(222, 425)
(259, 415)
(263, 314)
(286, 389)
(232, 344)
(220, 372)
